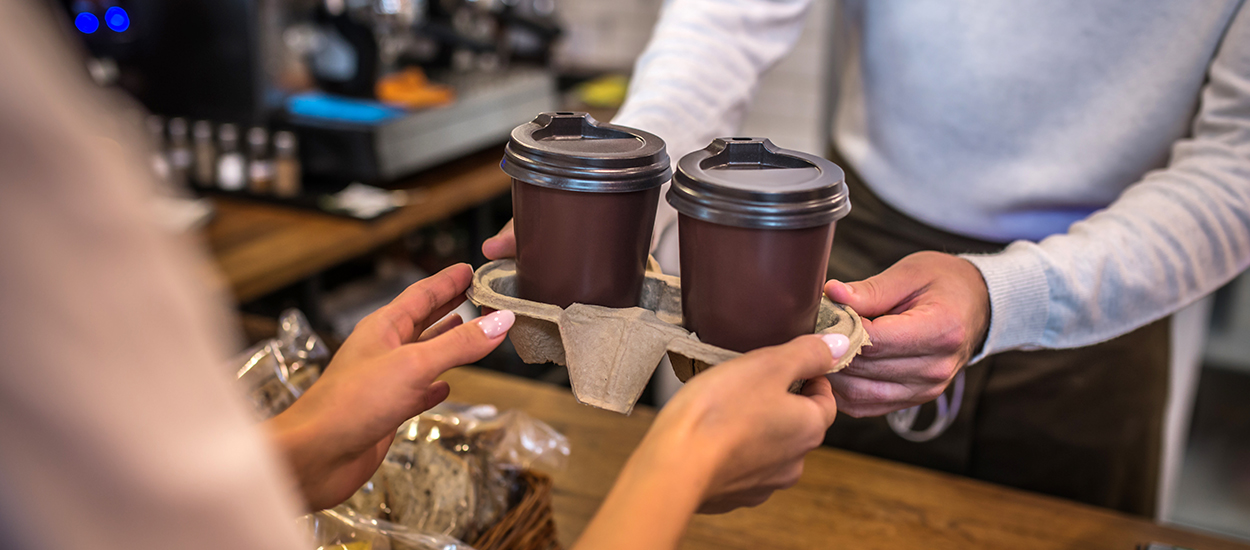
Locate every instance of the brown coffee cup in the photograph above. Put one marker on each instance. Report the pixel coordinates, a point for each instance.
(755, 223)
(584, 196)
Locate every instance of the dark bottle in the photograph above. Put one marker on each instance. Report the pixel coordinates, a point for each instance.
(584, 196)
(205, 153)
(755, 223)
(286, 180)
(259, 164)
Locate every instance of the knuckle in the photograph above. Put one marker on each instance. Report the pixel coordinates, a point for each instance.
(951, 337)
(869, 287)
(938, 373)
(863, 393)
(757, 498)
(791, 476)
(414, 354)
(853, 411)
(379, 317)
(929, 394)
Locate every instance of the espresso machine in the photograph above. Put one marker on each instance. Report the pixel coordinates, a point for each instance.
(311, 67)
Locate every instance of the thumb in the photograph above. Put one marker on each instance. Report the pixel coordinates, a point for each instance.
(502, 245)
(461, 345)
(876, 295)
(804, 357)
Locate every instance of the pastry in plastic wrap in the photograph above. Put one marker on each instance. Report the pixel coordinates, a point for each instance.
(274, 373)
(432, 490)
(453, 471)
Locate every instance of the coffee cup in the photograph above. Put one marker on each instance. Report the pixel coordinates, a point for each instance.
(584, 197)
(755, 225)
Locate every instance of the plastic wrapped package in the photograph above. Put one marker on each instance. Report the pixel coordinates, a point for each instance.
(344, 529)
(450, 475)
(454, 470)
(274, 373)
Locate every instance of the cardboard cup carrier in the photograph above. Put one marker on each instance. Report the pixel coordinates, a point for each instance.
(579, 286)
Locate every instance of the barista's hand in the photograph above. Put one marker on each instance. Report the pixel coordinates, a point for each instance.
(337, 433)
(502, 245)
(926, 315)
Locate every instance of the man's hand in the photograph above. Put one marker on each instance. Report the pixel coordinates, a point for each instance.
(336, 435)
(502, 245)
(927, 315)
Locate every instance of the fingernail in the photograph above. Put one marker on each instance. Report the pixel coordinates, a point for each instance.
(850, 291)
(838, 344)
(497, 323)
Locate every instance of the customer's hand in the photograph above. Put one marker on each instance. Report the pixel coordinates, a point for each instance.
(926, 315)
(741, 426)
(336, 435)
(502, 245)
(741, 419)
(729, 438)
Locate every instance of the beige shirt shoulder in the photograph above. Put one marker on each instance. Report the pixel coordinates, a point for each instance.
(118, 426)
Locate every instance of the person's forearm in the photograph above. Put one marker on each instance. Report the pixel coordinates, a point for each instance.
(651, 503)
(1177, 235)
(698, 73)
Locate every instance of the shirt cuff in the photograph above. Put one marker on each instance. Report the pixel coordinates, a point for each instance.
(1019, 298)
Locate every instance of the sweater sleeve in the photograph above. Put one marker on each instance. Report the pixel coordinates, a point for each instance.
(697, 75)
(1173, 237)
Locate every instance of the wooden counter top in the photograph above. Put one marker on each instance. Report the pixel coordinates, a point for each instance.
(844, 501)
(261, 247)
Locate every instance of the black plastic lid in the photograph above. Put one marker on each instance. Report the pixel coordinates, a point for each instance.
(749, 182)
(575, 152)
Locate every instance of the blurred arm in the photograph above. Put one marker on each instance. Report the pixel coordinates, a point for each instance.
(698, 74)
(120, 428)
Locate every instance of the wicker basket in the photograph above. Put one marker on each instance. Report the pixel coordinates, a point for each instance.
(530, 525)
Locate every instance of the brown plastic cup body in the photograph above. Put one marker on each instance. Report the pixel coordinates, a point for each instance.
(582, 247)
(747, 288)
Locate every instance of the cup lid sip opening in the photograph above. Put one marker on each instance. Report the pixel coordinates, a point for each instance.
(750, 182)
(575, 152)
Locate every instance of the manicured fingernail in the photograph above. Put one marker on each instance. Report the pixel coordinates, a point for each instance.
(838, 344)
(497, 323)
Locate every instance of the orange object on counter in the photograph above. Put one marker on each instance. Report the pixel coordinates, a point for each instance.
(410, 88)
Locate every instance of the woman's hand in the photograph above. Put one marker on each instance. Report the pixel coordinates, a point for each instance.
(729, 438)
(740, 422)
(336, 435)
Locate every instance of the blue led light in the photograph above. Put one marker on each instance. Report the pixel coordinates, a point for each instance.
(117, 19)
(86, 22)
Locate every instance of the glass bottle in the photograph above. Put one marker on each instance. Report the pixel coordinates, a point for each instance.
(259, 165)
(231, 168)
(205, 153)
(286, 165)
